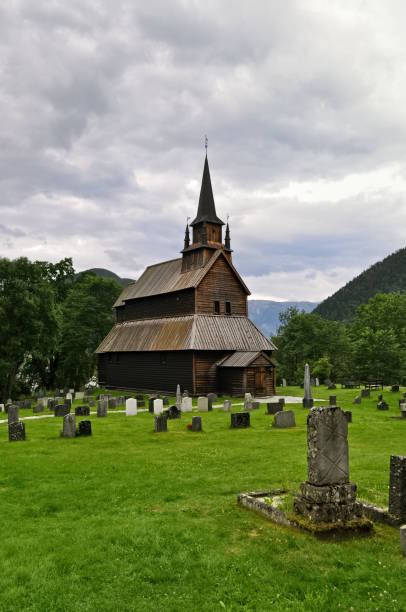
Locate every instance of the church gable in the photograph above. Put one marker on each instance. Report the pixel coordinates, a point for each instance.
(221, 291)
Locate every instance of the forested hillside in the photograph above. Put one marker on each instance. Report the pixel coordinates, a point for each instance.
(103, 273)
(386, 276)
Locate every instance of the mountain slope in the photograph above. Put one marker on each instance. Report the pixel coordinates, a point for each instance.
(265, 313)
(386, 276)
(103, 273)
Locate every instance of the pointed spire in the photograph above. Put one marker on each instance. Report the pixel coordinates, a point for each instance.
(207, 209)
(227, 242)
(187, 236)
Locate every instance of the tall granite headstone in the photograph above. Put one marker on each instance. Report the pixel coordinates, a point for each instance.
(308, 399)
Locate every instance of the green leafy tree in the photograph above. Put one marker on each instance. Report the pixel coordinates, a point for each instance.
(378, 336)
(87, 316)
(28, 318)
(306, 338)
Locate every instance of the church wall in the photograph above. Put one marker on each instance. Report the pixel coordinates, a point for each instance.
(147, 370)
(221, 284)
(155, 306)
(231, 381)
(206, 372)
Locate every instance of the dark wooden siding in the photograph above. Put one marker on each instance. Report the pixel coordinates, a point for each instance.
(231, 381)
(206, 371)
(155, 306)
(221, 284)
(145, 371)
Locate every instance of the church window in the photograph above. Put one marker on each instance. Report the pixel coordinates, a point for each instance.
(216, 307)
(228, 307)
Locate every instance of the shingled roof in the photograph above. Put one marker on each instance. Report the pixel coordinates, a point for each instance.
(191, 332)
(207, 209)
(167, 277)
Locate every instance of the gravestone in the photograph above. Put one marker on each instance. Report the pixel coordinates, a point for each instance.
(403, 411)
(69, 396)
(173, 412)
(82, 411)
(365, 393)
(357, 400)
(165, 400)
(68, 403)
(348, 415)
(227, 406)
(139, 397)
(61, 410)
(333, 400)
(79, 395)
(317, 382)
(112, 403)
(178, 397)
(401, 401)
(397, 487)
(281, 402)
(380, 397)
(185, 393)
(186, 404)
(131, 407)
(151, 400)
(240, 420)
(327, 496)
(43, 401)
(283, 382)
(383, 406)
(16, 431)
(212, 397)
(85, 428)
(92, 404)
(12, 415)
(161, 423)
(273, 407)
(308, 399)
(1, 407)
(202, 404)
(38, 408)
(158, 406)
(69, 426)
(196, 423)
(102, 408)
(402, 536)
(284, 419)
(209, 404)
(141, 404)
(255, 405)
(395, 388)
(248, 401)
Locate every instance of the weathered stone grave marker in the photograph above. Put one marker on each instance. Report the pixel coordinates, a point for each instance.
(82, 411)
(69, 426)
(196, 423)
(284, 419)
(186, 404)
(308, 399)
(227, 405)
(102, 408)
(240, 420)
(397, 487)
(158, 406)
(131, 407)
(161, 423)
(202, 404)
(12, 414)
(85, 428)
(365, 393)
(16, 431)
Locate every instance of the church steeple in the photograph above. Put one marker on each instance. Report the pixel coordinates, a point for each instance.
(227, 241)
(207, 228)
(187, 237)
(207, 209)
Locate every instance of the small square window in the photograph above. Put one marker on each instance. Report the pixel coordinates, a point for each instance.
(228, 307)
(216, 307)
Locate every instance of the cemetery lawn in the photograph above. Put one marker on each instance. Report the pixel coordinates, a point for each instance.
(133, 520)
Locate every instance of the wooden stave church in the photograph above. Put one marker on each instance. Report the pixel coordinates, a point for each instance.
(185, 321)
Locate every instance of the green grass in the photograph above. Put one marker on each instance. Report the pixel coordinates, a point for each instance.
(133, 520)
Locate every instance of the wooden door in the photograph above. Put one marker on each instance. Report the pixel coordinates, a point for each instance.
(260, 374)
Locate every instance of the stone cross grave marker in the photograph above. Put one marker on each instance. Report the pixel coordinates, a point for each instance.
(131, 407)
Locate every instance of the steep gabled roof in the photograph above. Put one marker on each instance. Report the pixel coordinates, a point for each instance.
(207, 209)
(167, 277)
(191, 332)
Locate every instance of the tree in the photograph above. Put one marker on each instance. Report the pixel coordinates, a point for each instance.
(306, 338)
(28, 317)
(87, 316)
(378, 336)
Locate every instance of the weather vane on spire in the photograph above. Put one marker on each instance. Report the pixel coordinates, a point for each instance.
(206, 142)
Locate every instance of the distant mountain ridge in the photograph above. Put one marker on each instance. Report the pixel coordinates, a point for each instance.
(265, 313)
(103, 273)
(386, 276)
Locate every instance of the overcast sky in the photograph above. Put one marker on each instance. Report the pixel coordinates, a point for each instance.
(103, 110)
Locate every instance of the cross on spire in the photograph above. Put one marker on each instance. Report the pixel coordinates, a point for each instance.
(206, 143)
